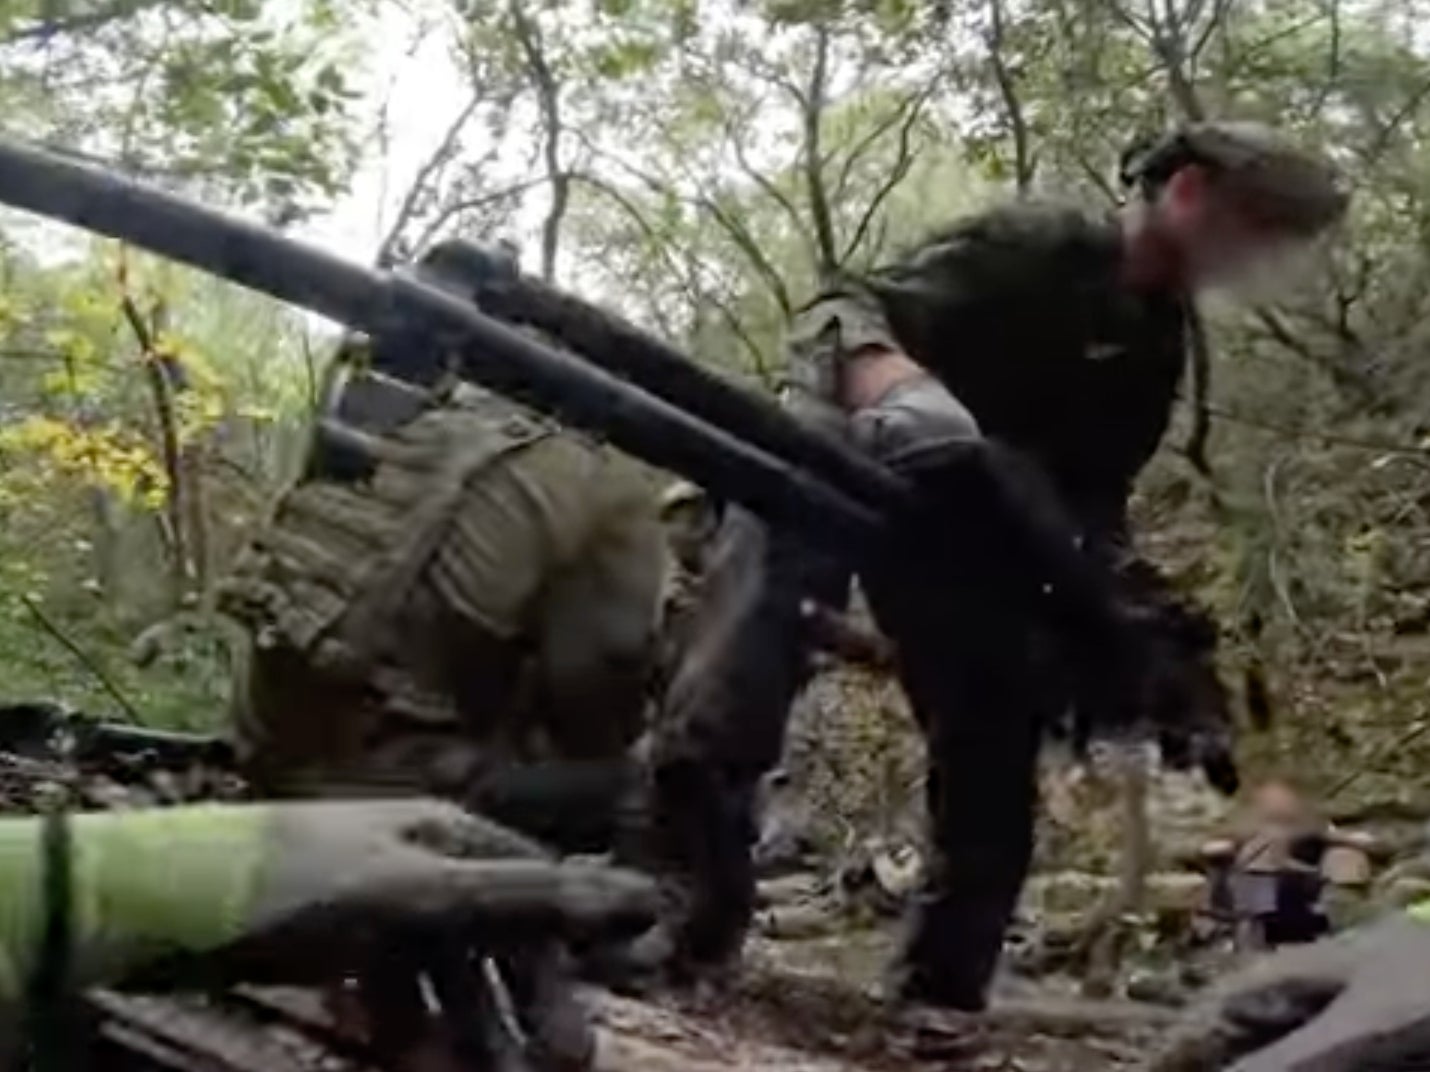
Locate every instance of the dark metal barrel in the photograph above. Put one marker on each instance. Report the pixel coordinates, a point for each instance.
(497, 356)
(622, 348)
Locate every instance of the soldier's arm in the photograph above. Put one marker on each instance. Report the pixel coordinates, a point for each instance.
(976, 497)
(749, 650)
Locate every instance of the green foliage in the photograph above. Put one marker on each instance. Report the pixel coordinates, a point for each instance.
(232, 95)
(700, 167)
(187, 690)
(85, 491)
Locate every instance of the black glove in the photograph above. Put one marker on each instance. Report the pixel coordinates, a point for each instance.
(388, 890)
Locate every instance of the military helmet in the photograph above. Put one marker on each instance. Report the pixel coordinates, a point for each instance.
(1288, 187)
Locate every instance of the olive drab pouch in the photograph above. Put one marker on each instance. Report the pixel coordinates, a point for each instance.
(329, 572)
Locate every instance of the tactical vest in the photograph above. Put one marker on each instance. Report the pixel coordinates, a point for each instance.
(328, 575)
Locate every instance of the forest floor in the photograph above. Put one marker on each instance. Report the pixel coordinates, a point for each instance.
(808, 999)
(811, 1006)
(777, 1018)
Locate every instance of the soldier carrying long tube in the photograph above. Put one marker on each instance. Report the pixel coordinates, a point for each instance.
(755, 455)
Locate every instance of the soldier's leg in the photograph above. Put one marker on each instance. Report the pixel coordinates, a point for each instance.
(983, 734)
(722, 723)
(960, 606)
(721, 726)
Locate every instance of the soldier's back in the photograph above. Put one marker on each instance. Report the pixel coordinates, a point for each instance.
(396, 616)
(1022, 312)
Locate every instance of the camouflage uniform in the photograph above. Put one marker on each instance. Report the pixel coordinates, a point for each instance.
(1022, 314)
(488, 594)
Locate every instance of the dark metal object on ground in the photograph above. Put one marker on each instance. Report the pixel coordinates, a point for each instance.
(94, 740)
(493, 354)
(47, 731)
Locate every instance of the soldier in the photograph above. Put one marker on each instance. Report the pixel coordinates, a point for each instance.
(458, 598)
(1020, 368)
(457, 595)
(1275, 864)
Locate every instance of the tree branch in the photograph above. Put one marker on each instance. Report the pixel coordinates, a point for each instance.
(75, 24)
(440, 156)
(771, 188)
(747, 245)
(778, 80)
(1282, 333)
(1098, 179)
(914, 100)
(813, 163)
(549, 100)
(903, 161)
(1260, 45)
(728, 222)
(1388, 131)
(693, 293)
(32, 355)
(1333, 54)
(1124, 15)
(83, 658)
(1022, 164)
(456, 208)
(161, 389)
(1220, 10)
(1183, 91)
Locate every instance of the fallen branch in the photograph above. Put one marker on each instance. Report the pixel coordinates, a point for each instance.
(83, 658)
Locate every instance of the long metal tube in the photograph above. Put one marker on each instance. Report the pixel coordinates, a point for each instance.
(496, 356)
(624, 349)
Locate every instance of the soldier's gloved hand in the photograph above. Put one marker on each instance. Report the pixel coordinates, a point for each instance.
(301, 893)
(332, 869)
(1359, 1002)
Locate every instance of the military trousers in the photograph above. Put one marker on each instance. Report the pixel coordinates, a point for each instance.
(969, 675)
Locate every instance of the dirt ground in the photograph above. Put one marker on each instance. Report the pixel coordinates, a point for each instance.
(812, 1007)
(802, 1004)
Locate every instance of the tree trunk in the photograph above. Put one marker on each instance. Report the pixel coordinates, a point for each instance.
(106, 544)
(819, 210)
(548, 96)
(159, 375)
(1023, 163)
(196, 516)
